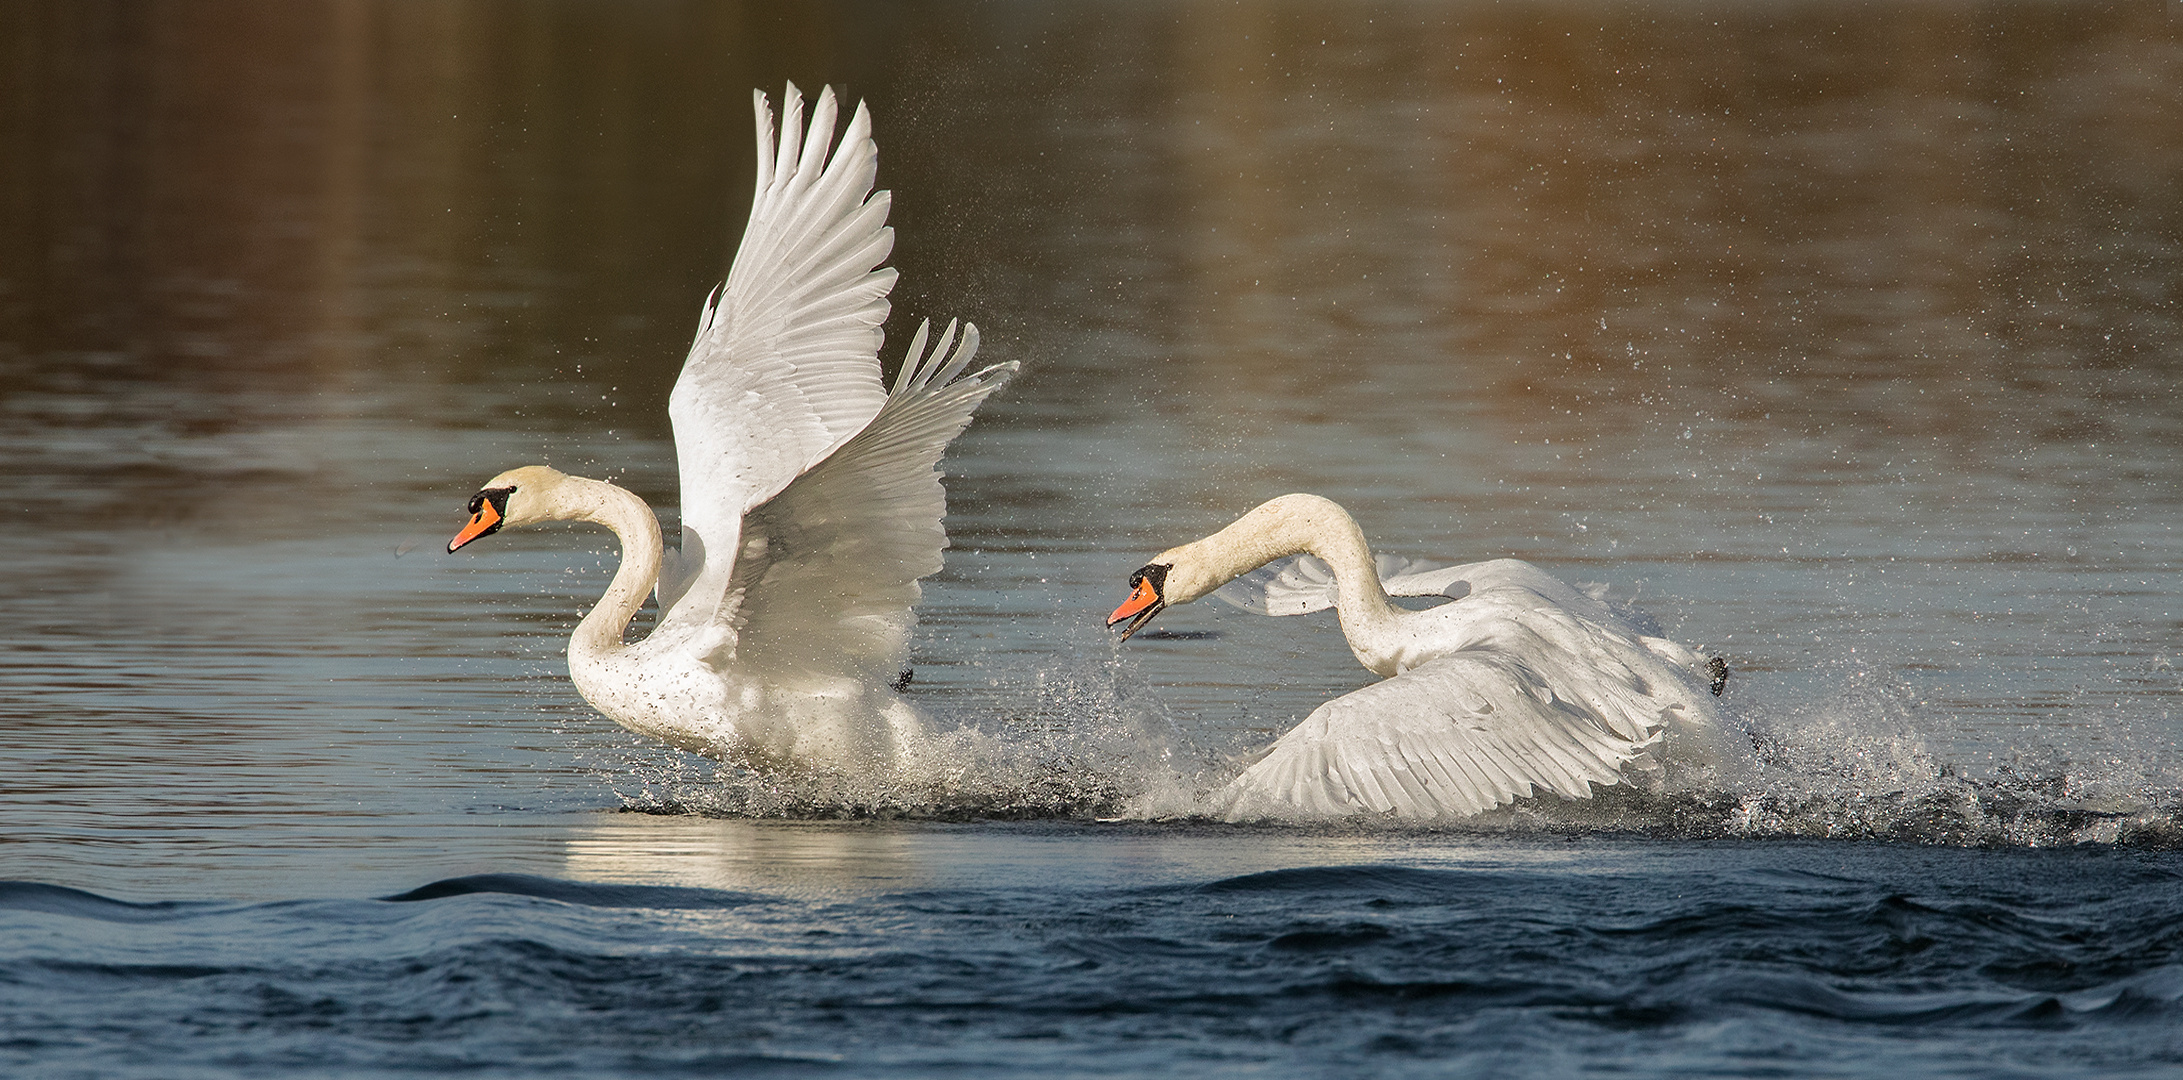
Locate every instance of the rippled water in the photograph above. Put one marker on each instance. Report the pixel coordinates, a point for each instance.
(1843, 337)
(949, 951)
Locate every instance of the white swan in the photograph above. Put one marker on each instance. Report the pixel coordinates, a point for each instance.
(811, 499)
(1519, 684)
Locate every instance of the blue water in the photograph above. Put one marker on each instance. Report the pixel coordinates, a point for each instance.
(1104, 951)
(1846, 339)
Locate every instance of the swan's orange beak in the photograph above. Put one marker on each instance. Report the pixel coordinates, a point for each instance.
(487, 511)
(484, 521)
(1144, 602)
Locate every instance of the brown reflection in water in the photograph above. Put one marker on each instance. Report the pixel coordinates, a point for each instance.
(312, 191)
(193, 192)
(229, 218)
(1737, 207)
(1562, 218)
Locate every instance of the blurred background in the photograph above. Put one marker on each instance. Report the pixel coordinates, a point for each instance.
(1844, 336)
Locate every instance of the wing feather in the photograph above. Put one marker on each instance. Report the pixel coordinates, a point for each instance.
(785, 365)
(1301, 584)
(829, 568)
(1541, 701)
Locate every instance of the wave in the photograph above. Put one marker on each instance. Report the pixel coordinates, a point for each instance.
(586, 894)
(2049, 961)
(76, 903)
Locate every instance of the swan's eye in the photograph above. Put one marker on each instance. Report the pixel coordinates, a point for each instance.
(498, 497)
(488, 510)
(1156, 573)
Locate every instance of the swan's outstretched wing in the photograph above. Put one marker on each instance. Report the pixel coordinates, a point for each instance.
(1536, 699)
(1301, 584)
(829, 567)
(785, 367)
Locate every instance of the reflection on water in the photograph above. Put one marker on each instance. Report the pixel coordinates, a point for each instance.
(723, 853)
(822, 860)
(1847, 336)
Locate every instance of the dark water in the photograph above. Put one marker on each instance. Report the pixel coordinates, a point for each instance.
(1845, 337)
(984, 950)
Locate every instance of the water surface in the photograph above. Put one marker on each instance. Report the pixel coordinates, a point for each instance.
(1843, 337)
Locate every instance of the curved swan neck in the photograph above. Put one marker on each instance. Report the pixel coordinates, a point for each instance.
(637, 528)
(1292, 525)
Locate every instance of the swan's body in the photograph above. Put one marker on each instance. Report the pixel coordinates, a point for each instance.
(811, 500)
(1519, 684)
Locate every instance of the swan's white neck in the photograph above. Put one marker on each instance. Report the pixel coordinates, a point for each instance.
(1294, 525)
(599, 636)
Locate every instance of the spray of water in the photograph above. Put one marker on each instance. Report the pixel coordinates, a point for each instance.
(1088, 741)
(1081, 743)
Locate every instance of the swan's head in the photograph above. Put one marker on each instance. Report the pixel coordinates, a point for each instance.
(1175, 576)
(1275, 528)
(1144, 600)
(515, 498)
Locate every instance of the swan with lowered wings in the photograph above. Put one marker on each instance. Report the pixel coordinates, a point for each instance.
(1518, 684)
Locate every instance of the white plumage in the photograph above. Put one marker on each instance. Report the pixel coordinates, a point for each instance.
(1520, 684)
(811, 498)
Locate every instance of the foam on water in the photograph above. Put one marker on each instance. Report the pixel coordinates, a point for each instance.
(1090, 743)
(1065, 744)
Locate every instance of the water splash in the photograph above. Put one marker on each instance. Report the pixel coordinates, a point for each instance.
(1858, 765)
(1083, 743)
(1088, 741)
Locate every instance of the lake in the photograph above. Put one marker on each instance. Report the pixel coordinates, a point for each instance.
(1843, 338)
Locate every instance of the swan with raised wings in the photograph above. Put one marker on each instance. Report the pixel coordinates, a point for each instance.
(811, 497)
(1517, 684)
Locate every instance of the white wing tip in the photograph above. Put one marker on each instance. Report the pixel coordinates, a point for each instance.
(934, 362)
